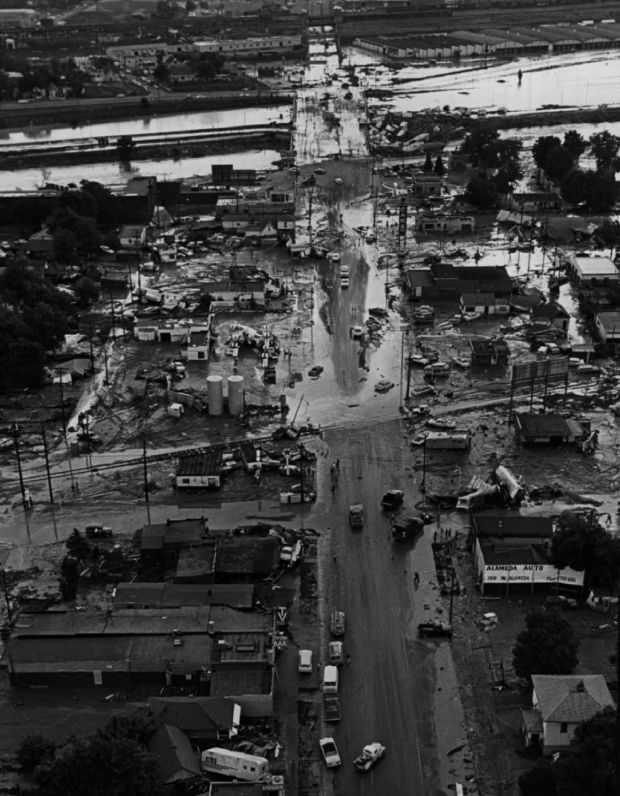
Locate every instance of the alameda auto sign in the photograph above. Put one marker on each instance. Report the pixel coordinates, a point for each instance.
(531, 573)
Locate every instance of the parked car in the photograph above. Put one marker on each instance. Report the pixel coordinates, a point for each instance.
(371, 754)
(332, 708)
(315, 371)
(392, 499)
(434, 628)
(335, 652)
(304, 661)
(98, 532)
(329, 751)
(337, 623)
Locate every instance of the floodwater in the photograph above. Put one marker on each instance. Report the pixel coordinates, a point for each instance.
(569, 79)
(117, 173)
(210, 120)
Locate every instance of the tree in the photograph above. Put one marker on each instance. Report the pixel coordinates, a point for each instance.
(32, 751)
(575, 143)
(87, 290)
(160, 73)
(608, 234)
(559, 161)
(99, 765)
(538, 782)
(208, 65)
(547, 645)
(542, 147)
(439, 167)
(589, 190)
(581, 543)
(64, 245)
(137, 726)
(428, 163)
(590, 764)
(69, 578)
(481, 193)
(604, 148)
(481, 145)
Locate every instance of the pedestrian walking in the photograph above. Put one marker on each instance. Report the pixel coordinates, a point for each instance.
(337, 464)
(348, 660)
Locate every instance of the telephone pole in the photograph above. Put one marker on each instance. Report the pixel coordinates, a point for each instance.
(15, 430)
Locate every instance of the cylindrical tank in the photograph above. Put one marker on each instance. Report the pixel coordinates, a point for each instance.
(215, 395)
(235, 395)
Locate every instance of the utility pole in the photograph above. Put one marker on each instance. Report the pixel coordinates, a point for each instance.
(402, 360)
(423, 482)
(5, 590)
(62, 403)
(146, 480)
(47, 463)
(452, 593)
(15, 430)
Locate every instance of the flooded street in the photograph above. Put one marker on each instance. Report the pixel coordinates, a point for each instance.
(327, 354)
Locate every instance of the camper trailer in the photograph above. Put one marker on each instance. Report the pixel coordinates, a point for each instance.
(235, 764)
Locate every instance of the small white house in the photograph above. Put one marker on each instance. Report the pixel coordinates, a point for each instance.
(202, 470)
(132, 236)
(560, 703)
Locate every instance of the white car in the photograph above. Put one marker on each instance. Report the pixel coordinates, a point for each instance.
(304, 662)
(357, 332)
(329, 750)
(338, 180)
(371, 754)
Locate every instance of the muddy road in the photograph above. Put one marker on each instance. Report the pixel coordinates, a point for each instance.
(389, 690)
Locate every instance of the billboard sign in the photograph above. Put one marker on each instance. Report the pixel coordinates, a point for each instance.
(531, 573)
(539, 370)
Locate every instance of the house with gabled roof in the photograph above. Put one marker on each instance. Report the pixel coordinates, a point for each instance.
(560, 703)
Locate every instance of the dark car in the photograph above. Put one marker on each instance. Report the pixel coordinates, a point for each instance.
(407, 528)
(332, 708)
(392, 499)
(98, 532)
(434, 628)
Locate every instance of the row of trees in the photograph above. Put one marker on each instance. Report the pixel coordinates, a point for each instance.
(498, 164)
(593, 190)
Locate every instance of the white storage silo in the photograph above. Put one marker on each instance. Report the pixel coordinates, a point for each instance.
(235, 395)
(215, 395)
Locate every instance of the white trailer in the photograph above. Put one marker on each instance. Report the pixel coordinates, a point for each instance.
(238, 765)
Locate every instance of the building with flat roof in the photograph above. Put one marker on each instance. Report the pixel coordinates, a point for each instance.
(592, 271)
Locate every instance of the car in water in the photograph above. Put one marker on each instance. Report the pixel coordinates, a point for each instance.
(370, 756)
(329, 752)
